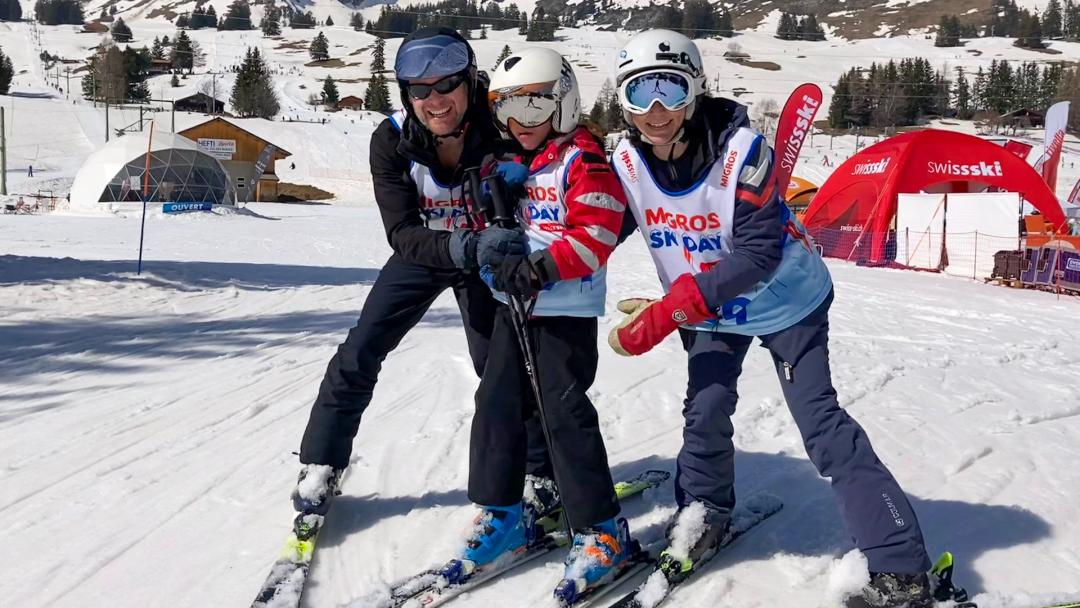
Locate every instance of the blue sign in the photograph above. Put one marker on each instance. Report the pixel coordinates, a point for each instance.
(184, 207)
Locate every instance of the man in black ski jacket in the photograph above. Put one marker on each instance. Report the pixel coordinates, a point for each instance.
(419, 157)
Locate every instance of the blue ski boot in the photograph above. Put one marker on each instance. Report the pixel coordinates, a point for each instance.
(597, 556)
(316, 486)
(500, 533)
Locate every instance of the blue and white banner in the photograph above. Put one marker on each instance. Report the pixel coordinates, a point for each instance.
(184, 207)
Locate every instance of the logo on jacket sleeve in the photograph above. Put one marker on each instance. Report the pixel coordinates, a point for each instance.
(729, 166)
(629, 163)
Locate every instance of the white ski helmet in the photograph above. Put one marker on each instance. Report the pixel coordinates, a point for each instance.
(656, 50)
(545, 86)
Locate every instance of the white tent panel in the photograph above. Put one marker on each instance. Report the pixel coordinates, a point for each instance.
(920, 222)
(979, 225)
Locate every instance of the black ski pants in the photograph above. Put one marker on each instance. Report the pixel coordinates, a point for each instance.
(401, 295)
(873, 505)
(566, 359)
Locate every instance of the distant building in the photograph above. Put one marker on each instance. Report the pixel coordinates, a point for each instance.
(1022, 118)
(160, 66)
(199, 102)
(350, 102)
(239, 151)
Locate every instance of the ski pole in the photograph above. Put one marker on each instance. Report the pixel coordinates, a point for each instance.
(519, 316)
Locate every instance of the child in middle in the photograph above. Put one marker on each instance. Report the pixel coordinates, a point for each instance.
(569, 202)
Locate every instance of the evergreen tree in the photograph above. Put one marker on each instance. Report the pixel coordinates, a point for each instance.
(7, 72)
(157, 51)
(320, 48)
(302, 20)
(211, 17)
(1052, 20)
(329, 21)
(669, 16)
(174, 81)
(330, 95)
(271, 21)
(613, 117)
(136, 71)
(1069, 90)
(237, 17)
(356, 21)
(699, 19)
(11, 10)
(599, 108)
(541, 29)
(503, 54)
(948, 33)
(183, 53)
(523, 25)
(183, 22)
(120, 31)
(378, 56)
(725, 28)
(787, 29)
(841, 99)
(978, 90)
(1030, 34)
(377, 96)
(58, 12)
(253, 93)
(1070, 20)
(962, 96)
(809, 29)
(103, 16)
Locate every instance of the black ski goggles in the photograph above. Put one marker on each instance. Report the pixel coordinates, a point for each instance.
(442, 87)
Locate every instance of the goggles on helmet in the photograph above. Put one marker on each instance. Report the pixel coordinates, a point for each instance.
(437, 56)
(530, 105)
(672, 89)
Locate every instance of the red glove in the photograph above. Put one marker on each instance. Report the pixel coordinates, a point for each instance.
(650, 321)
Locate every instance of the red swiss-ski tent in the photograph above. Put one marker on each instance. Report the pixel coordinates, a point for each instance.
(856, 206)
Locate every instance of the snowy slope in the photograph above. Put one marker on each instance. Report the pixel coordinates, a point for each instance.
(148, 422)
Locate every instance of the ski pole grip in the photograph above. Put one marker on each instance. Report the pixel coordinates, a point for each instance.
(497, 189)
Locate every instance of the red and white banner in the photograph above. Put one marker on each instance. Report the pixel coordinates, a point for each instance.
(795, 124)
(1056, 118)
(1018, 148)
(1074, 196)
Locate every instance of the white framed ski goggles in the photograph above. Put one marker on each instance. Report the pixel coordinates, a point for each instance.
(530, 105)
(672, 89)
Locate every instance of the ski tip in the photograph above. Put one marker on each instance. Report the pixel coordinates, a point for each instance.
(567, 591)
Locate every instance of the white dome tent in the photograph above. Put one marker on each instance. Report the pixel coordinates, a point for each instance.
(179, 172)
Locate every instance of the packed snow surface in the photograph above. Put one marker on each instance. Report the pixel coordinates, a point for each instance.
(149, 421)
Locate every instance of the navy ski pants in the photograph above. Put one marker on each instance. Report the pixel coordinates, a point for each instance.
(401, 295)
(876, 510)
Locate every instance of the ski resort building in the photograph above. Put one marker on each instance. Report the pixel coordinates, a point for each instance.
(248, 158)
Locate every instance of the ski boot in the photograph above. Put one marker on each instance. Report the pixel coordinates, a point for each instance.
(543, 496)
(316, 486)
(597, 555)
(891, 590)
(693, 538)
(499, 533)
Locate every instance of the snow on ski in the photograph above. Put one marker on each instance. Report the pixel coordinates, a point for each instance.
(429, 588)
(657, 588)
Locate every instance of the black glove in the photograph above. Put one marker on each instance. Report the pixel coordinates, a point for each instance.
(515, 277)
(462, 247)
(494, 244)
